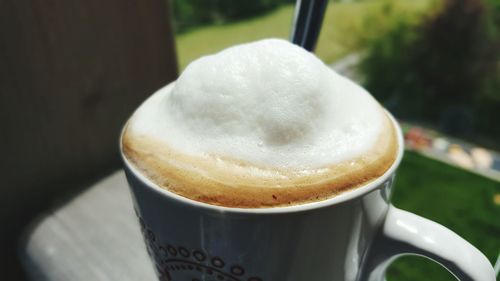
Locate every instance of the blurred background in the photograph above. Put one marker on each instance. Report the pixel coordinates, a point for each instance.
(435, 64)
(71, 72)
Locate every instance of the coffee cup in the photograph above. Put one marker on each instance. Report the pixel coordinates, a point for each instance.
(217, 219)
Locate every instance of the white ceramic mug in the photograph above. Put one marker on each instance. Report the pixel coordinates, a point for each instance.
(353, 236)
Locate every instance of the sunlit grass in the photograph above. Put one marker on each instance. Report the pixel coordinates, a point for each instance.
(460, 200)
(345, 29)
(210, 39)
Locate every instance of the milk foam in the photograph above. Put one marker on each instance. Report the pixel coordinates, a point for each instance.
(269, 103)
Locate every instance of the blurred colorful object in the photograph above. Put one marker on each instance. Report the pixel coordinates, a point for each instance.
(452, 151)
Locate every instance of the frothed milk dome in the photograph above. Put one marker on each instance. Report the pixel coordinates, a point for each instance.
(268, 102)
(267, 110)
(266, 94)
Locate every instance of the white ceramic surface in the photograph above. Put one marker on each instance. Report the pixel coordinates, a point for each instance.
(353, 236)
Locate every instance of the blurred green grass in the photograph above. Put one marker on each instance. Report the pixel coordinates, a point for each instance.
(346, 26)
(458, 199)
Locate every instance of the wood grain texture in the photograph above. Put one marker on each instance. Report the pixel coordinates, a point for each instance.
(71, 72)
(95, 236)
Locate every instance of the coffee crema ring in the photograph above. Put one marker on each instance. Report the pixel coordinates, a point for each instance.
(234, 183)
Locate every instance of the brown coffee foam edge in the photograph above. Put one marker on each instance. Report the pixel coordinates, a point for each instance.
(201, 179)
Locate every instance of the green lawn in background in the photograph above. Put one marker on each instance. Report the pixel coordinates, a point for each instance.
(460, 200)
(346, 26)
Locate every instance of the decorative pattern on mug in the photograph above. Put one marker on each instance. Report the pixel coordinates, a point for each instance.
(173, 262)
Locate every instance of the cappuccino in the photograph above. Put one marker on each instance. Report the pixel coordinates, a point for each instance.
(259, 125)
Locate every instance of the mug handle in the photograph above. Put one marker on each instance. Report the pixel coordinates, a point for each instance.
(405, 233)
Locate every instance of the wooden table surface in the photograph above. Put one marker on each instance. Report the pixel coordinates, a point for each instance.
(93, 236)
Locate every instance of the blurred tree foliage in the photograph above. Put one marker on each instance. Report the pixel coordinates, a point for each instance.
(191, 13)
(443, 70)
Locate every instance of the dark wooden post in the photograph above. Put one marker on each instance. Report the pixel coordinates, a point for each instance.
(71, 72)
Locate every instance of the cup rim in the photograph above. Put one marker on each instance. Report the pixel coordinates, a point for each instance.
(343, 197)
